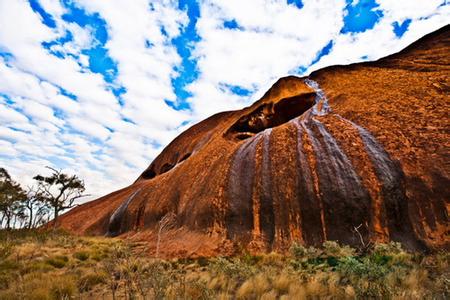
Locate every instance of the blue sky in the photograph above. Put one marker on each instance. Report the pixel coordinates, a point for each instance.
(100, 87)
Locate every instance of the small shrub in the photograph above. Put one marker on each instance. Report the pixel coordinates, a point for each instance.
(250, 259)
(9, 265)
(253, 288)
(6, 248)
(5, 280)
(81, 255)
(202, 261)
(89, 280)
(40, 293)
(363, 268)
(191, 290)
(98, 254)
(273, 259)
(281, 283)
(388, 249)
(38, 266)
(302, 253)
(59, 261)
(271, 295)
(232, 268)
(332, 248)
(62, 287)
(298, 251)
(8, 295)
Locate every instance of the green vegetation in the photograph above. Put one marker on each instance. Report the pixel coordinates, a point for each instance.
(33, 207)
(55, 265)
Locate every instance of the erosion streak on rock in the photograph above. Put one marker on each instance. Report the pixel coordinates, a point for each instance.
(239, 218)
(115, 221)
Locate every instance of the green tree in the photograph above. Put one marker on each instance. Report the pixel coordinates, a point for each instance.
(36, 206)
(11, 198)
(59, 191)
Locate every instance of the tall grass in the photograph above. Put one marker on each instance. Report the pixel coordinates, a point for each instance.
(57, 265)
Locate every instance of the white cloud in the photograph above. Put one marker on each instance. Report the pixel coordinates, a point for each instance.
(53, 7)
(408, 9)
(381, 40)
(78, 135)
(10, 115)
(274, 38)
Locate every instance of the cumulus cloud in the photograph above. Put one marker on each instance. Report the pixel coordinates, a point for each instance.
(56, 109)
(98, 88)
(381, 40)
(267, 40)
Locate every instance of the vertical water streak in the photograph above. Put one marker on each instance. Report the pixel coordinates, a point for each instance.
(350, 182)
(239, 217)
(267, 221)
(321, 106)
(321, 170)
(313, 232)
(385, 168)
(391, 178)
(345, 200)
(115, 221)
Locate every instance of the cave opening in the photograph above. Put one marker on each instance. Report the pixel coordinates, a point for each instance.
(149, 173)
(166, 168)
(270, 115)
(186, 156)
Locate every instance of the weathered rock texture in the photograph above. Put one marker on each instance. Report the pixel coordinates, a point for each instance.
(352, 153)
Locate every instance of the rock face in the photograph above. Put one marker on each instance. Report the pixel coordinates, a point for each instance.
(353, 153)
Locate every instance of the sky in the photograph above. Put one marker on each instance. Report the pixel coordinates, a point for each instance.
(97, 88)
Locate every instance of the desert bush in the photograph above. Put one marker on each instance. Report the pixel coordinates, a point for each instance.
(273, 259)
(233, 268)
(281, 282)
(5, 279)
(59, 261)
(298, 251)
(181, 288)
(362, 268)
(38, 266)
(9, 265)
(98, 253)
(250, 259)
(6, 248)
(87, 281)
(254, 288)
(301, 253)
(63, 287)
(8, 295)
(157, 277)
(332, 248)
(81, 255)
(387, 249)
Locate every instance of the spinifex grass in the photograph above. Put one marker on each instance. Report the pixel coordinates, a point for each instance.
(56, 265)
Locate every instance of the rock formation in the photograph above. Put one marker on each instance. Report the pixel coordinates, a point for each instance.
(355, 154)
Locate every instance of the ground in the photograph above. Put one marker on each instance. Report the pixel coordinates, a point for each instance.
(57, 265)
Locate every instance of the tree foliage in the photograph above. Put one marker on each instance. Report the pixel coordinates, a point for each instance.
(31, 207)
(11, 198)
(59, 190)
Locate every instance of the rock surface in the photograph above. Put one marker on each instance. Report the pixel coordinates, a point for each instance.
(356, 154)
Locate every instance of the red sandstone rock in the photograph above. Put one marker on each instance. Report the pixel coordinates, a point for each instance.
(360, 146)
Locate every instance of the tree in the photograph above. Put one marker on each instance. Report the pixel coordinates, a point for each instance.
(59, 191)
(36, 206)
(11, 197)
(166, 223)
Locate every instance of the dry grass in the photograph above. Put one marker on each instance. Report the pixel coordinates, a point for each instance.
(60, 266)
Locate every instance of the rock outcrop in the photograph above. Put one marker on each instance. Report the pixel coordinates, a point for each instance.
(355, 154)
